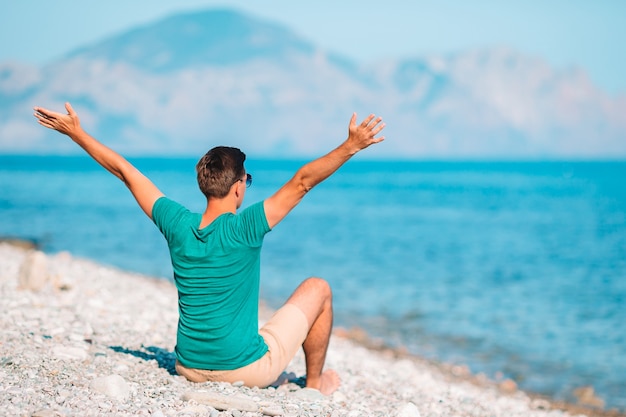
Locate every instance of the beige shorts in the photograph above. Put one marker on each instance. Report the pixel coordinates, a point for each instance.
(284, 334)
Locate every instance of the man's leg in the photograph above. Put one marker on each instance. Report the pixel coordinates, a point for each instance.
(314, 298)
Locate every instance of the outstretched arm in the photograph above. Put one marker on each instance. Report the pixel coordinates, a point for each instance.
(359, 137)
(144, 191)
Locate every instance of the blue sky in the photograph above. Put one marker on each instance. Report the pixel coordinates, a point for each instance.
(567, 33)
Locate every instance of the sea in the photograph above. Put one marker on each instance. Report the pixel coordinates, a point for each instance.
(514, 269)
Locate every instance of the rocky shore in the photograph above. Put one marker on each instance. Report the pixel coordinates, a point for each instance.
(82, 339)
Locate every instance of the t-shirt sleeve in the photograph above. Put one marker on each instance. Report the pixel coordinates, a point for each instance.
(166, 214)
(254, 224)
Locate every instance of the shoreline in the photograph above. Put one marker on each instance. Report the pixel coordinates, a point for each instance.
(87, 325)
(461, 373)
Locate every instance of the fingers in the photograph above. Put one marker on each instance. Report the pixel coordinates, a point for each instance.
(69, 109)
(41, 112)
(353, 120)
(41, 115)
(367, 120)
(43, 120)
(47, 118)
(373, 124)
(378, 126)
(44, 123)
(47, 114)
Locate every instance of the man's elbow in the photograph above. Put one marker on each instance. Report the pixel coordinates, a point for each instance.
(303, 184)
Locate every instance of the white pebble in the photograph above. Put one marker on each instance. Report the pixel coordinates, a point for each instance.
(113, 386)
(408, 410)
(69, 353)
(33, 273)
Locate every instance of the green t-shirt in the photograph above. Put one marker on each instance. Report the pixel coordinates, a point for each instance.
(217, 272)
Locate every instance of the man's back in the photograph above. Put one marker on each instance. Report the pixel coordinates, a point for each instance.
(217, 271)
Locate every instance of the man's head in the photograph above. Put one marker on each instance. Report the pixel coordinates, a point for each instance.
(219, 169)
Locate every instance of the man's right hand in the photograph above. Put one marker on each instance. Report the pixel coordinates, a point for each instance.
(364, 134)
(289, 195)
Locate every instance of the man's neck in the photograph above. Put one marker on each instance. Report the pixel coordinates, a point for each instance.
(215, 208)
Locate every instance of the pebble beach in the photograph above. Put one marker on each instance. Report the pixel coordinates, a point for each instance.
(83, 339)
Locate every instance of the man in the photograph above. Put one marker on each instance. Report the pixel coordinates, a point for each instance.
(216, 261)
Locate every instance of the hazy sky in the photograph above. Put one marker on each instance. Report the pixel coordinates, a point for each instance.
(590, 34)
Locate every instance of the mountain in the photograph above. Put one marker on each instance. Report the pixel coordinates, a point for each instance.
(192, 81)
(217, 38)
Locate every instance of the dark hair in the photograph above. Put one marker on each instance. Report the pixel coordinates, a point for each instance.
(219, 169)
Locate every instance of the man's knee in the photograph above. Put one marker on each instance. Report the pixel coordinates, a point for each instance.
(313, 297)
(320, 286)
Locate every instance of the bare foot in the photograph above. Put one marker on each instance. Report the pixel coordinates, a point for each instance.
(329, 382)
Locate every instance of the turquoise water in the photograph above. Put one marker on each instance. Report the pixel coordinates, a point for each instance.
(518, 268)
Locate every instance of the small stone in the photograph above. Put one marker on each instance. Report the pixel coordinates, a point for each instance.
(408, 410)
(540, 404)
(587, 396)
(195, 409)
(33, 273)
(113, 386)
(315, 407)
(221, 402)
(508, 386)
(272, 410)
(292, 408)
(157, 413)
(105, 405)
(339, 397)
(63, 392)
(460, 370)
(121, 368)
(309, 394)
(46, 412)
(69, 353)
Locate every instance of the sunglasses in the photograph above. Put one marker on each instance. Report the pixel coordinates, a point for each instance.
(248, 180)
